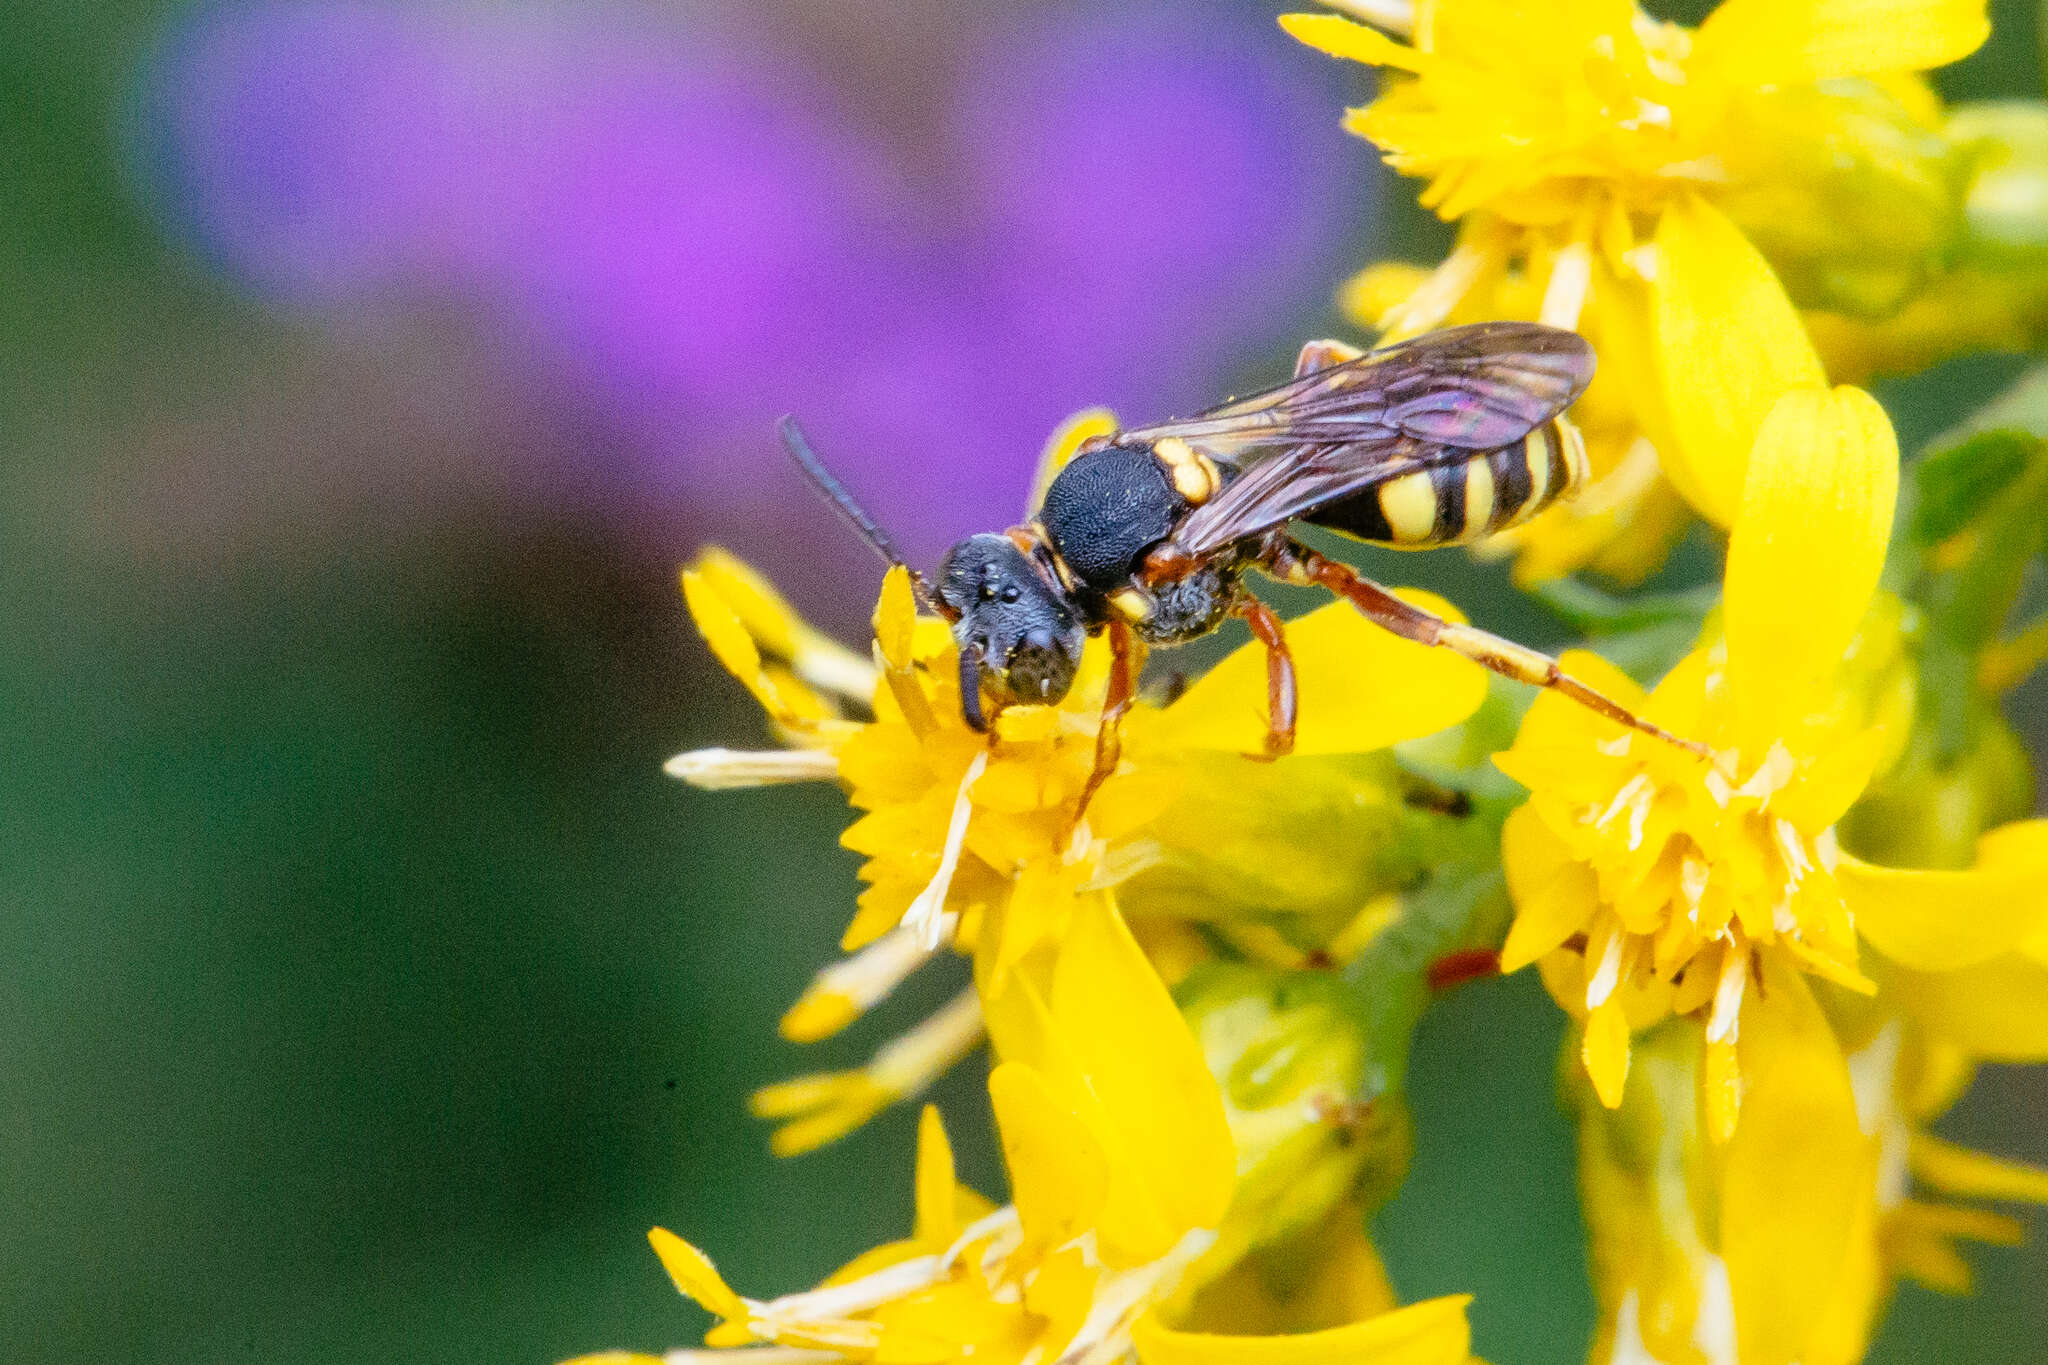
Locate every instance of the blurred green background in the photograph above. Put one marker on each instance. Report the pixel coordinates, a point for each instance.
(366, 991)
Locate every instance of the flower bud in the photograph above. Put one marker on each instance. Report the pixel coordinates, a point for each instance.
(2005, 210)
(1312, 1124)
(1313, 837)
(1853, 194)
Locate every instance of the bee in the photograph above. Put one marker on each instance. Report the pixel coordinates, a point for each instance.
(1148, 534)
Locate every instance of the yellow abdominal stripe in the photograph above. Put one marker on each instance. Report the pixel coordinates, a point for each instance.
(1416, 514)
(1536, 456)
(1409, 504)
(1478, 497)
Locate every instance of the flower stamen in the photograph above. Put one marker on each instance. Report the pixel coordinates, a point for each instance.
(825, 1107)
(1571, 279)
(725, 769)
(1482, 252)
(926, 916)
(850, 987)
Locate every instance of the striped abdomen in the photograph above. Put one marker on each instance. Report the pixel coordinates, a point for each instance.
(1459, 501)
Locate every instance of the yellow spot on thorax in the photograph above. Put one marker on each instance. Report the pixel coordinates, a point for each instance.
(1193, 473)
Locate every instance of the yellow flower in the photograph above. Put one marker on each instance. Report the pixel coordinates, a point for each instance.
(1649, 883)
(1995, 1010)
(975, 840)
(1123, 1167)
(1786, 1248)
(1597, 160)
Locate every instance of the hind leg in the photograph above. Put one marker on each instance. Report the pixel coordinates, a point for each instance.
(1299, 564)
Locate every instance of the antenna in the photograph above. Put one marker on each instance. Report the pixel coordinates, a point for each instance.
(856, 516)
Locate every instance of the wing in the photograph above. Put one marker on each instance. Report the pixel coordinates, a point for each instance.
(1338, 431)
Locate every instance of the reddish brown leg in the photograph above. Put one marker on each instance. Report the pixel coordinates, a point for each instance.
(1123, 689)
(1280, 689)
(1299, 564)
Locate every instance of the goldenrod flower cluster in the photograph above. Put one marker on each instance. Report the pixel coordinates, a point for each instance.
(1784, 946)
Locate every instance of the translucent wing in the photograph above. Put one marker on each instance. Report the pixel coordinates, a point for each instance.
(1476, 387)
(1338, 431)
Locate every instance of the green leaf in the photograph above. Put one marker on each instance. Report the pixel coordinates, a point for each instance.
(1956, 484)
(1597, 613)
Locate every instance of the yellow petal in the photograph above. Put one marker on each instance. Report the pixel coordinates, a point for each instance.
(1553, 895)
(815, 657)
(1977, 1225)
(1937, 921)
(896, 617)
(1997, 1011)
(1805, 553)
(1556, 722)
(1333, 1277)
(726, 633)
(721, 628)
(1975, 1175)
(1829, 784)
(818, 1109)
(817, 1015)
(1728, 344)
(1354, 42)
(1605, 1050)
(1924, 1254)
(1433, 1332)
(1062, 1293)
(860, 1267)
(1771, 42)
(1164, 1124)
(1792, 1170)
(764, 612)
(1360, 687)
(937, 1197)
(695, 1276)
(1059, 1175)
(1028, 724)
(1721, 1089)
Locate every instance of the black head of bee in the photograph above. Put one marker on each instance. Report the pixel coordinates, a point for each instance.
(1016, 630)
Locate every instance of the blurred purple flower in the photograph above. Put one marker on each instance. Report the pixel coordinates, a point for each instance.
(681, 237)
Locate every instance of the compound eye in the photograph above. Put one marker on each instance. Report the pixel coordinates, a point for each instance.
(1011, 593)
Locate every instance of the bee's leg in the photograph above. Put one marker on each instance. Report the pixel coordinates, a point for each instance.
(1281, 693)
(1321, 355)
(1296, 563)
(1123, 690)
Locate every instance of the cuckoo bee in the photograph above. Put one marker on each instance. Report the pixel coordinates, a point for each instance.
(1148, 534)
